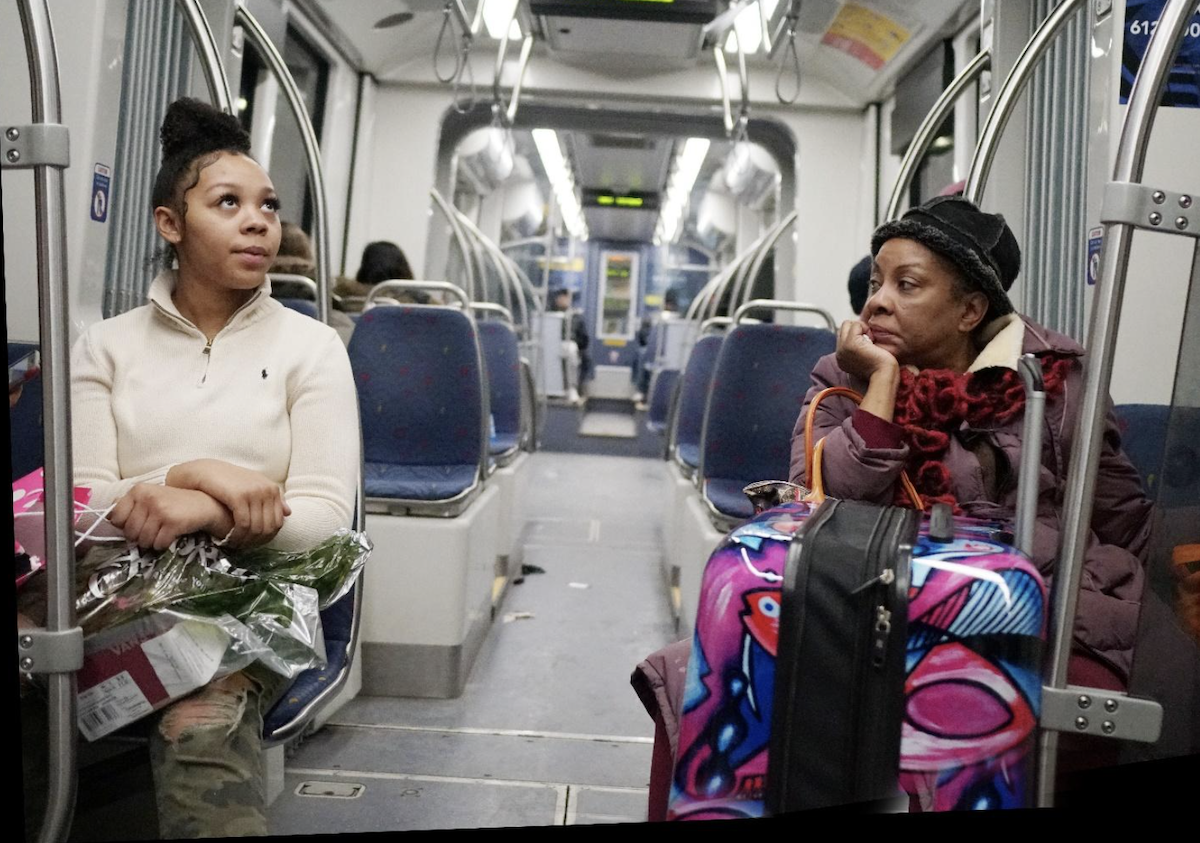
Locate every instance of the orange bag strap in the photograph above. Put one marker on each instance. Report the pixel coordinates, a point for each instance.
(813, 452)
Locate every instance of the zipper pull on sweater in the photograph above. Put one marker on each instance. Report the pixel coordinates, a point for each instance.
(207, 352)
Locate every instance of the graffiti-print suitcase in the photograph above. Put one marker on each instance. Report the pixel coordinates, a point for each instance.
(974, 612)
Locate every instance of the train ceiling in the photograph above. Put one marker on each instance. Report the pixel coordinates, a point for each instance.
(857, 48)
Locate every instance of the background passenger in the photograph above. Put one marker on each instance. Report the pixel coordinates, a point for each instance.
(213, 408)
(296, 257)
(578, 361)
(381, 261)
(859, 284)
(935, 355)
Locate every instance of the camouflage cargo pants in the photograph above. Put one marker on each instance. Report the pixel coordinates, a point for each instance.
(205, 754)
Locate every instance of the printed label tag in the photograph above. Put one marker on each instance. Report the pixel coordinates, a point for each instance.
(187, 656)
(1095, 241)
(111, 704)
(101, 179)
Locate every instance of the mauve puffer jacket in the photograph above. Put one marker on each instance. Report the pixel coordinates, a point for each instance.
(1113, 578)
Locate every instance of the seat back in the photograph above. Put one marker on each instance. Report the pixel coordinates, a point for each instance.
(420, 384)
(305, 306)
(693, 390)
(502, 358)
(314, 689)
(25, 419)
(758, 388)
(662, 390)
(1163, 443)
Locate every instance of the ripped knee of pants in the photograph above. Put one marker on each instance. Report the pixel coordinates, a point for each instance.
(220, 705)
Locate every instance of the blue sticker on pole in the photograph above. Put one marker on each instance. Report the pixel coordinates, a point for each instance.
(1183, 83)
(1095, 241)
(101, 179)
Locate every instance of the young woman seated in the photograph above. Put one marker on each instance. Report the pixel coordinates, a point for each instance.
(215, 409)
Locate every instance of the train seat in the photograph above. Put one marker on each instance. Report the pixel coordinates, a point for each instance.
(25, 419)
(501, 354)
(305, 306)
(758, 388)
(693, 392)
(662, 392)
(434, 514)
(421, 401)
(1160, 441)
(683, 439)
(510, 423)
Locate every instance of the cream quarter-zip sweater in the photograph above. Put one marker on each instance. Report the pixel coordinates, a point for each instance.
(272, 392)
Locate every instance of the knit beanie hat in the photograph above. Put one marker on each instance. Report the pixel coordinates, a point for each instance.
(981, 245)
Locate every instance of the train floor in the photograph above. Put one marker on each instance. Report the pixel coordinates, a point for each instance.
(548, 730)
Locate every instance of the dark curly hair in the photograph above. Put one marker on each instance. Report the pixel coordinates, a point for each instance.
(193, 134)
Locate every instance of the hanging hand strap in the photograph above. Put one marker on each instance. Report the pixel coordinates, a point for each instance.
(813, 452)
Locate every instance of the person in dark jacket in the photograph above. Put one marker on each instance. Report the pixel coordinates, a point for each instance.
(934, 354)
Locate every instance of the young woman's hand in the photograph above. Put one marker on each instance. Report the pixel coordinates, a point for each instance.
(154, 516)
(255, 501)
(858, 356)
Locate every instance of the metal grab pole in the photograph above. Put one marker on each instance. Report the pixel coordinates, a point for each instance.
(210, 56)
(1110, 289)
(921, 141)
(459, 239)
(1010, 91)
(57, 650)
(761, 257)
(1030, 369)
(312, 150)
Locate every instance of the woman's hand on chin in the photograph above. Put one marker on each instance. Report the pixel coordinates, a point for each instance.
(154, 516)
(858, 356)
(254, 500)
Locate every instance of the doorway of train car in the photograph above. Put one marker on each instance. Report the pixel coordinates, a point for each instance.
(618, 219)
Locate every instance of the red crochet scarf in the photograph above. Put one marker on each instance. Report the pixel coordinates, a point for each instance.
(933, 403)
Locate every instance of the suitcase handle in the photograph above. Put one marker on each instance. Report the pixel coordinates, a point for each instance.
(812, 453)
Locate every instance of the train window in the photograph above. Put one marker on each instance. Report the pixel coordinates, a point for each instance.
(310, 69)
(915, 95)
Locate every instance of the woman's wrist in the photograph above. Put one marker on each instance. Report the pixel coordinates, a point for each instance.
(880, 399)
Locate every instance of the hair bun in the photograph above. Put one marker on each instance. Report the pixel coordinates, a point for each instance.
(196, 127)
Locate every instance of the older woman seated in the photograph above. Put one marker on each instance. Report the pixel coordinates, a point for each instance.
(934, 354)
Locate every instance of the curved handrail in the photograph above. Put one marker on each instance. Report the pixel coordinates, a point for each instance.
(210, 56)
(928, 129)
(1084, 463)
(1006, 99)
(54, 300)
(715, 322)
(312, 150)
(406, 284)
(489, 307)
(481, 242)
(292, 278)
(761, 256)
(734, 282)
(459, 238)
(779, 304)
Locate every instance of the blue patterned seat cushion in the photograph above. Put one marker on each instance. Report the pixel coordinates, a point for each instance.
(726, 495)
(417, 482)
(688, 454)
(307, 686)
(502, 443)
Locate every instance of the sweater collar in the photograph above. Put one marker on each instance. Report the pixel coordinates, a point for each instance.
(254, 309)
